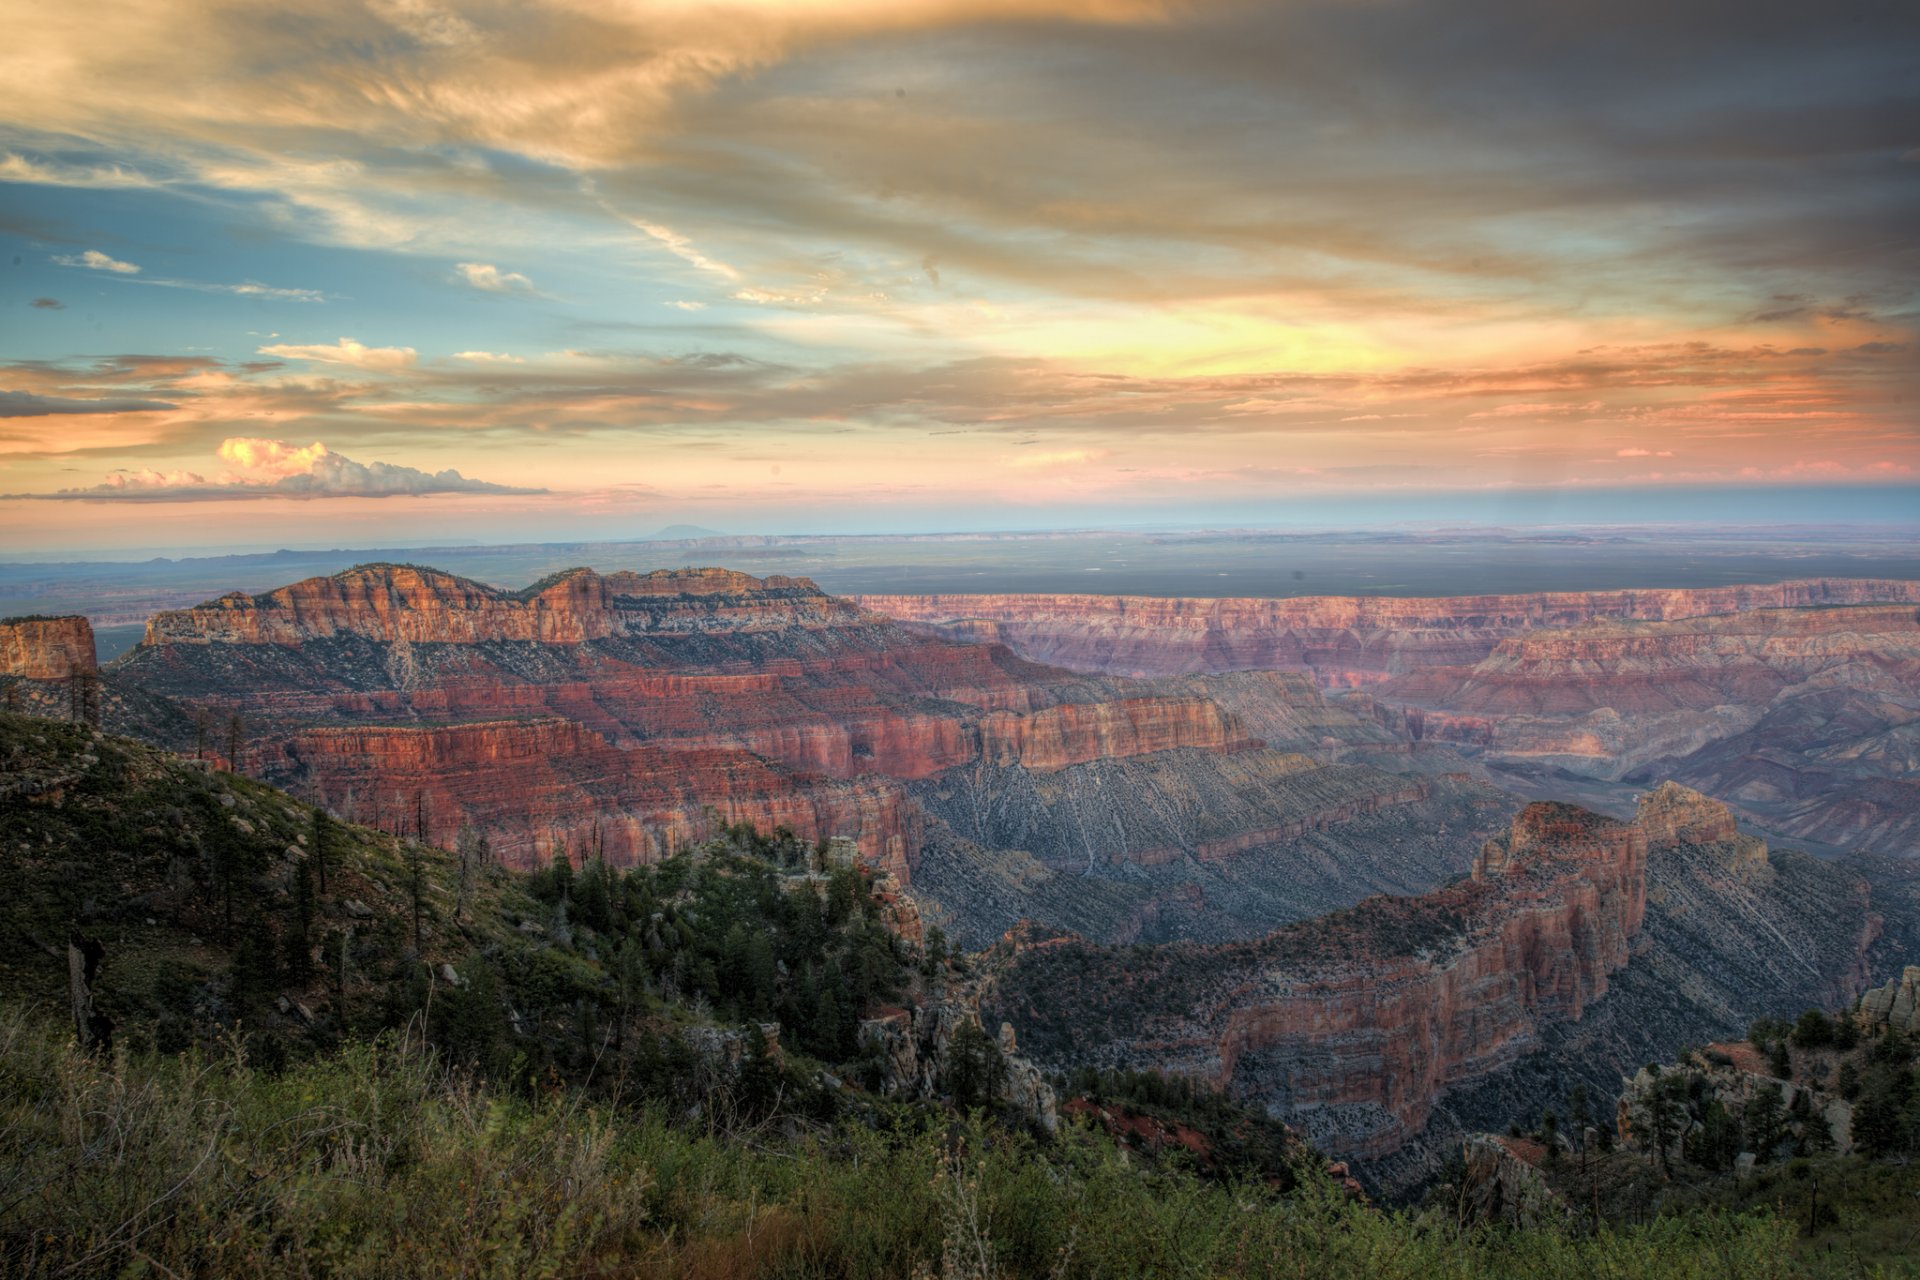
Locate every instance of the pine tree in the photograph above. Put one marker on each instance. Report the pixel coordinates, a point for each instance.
(236, 740)
(1764, 1120)
(416, 890)
(300, 938)
(471, 849)
(320, 836)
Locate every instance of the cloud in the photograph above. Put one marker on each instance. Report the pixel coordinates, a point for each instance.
(684, 305)
(24, 404)
(348, 352)
(18, 168)
(49, 304)
(275, 458)
(94, 260)
(1060, 458)
(1642, 453)
(278, 469)
(488, 357)
(482, 275)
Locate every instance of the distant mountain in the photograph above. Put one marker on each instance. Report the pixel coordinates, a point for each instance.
(682, 533)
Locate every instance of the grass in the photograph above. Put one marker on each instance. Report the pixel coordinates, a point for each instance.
(376, 1160)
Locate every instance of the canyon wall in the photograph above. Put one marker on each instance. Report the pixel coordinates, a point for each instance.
(541, 786)
(46, 648)
(613, 711)
(1344, 640)
(1352, 1025)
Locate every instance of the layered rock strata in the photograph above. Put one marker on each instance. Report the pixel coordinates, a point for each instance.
(627, 712)
(1343, 640)
(1371, 1012)
(1353, 1026)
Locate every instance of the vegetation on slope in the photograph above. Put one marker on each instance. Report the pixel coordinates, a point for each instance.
(324, 1050)
(376, 1160)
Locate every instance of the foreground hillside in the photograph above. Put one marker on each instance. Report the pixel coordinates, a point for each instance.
(318, 1049)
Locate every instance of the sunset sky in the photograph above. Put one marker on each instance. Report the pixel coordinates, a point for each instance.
(398, 270)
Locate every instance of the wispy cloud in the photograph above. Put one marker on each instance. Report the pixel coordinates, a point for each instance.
(492, 279)
(25, 404)
(347, 351)
(94, 260)
(18, 168)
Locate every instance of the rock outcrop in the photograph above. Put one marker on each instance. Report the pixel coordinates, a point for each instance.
(1353, 1027)
(46, 648)
(1733, 1075)
(915, 1051)
(1895, 1005)
(546, 785)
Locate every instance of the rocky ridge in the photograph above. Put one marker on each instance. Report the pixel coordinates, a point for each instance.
(1355, 1027)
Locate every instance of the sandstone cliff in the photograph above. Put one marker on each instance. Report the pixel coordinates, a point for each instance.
(46, 648)
(541, 786)
(1353, 1024)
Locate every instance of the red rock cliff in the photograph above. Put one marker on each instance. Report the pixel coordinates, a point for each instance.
(541, 785)
(46, 648)
(1344, 640)
(1076, 733)
(386, 602)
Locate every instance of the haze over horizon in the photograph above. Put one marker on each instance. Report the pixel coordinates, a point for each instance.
(407, 272)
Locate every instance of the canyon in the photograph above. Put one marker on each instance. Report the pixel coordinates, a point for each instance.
(1264, 843)
(1344, 641)
(1798, 702)
(1573, 949)
(625, 715)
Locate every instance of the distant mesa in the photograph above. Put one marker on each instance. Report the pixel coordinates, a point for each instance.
(682, 533)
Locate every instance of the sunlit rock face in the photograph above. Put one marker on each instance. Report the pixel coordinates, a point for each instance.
(46, 648)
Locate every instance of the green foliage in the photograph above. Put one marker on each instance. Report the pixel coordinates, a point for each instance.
(377, 1161)
(1814, 1030)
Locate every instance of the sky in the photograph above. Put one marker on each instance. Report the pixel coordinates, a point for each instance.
(360, 273)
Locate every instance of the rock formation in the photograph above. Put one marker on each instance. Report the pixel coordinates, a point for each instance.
(627, 713)
(1354, 1023)
(1796, 701)
(46, 648)
(1342, 640)
(1352, 1027)
(1895, 1005)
